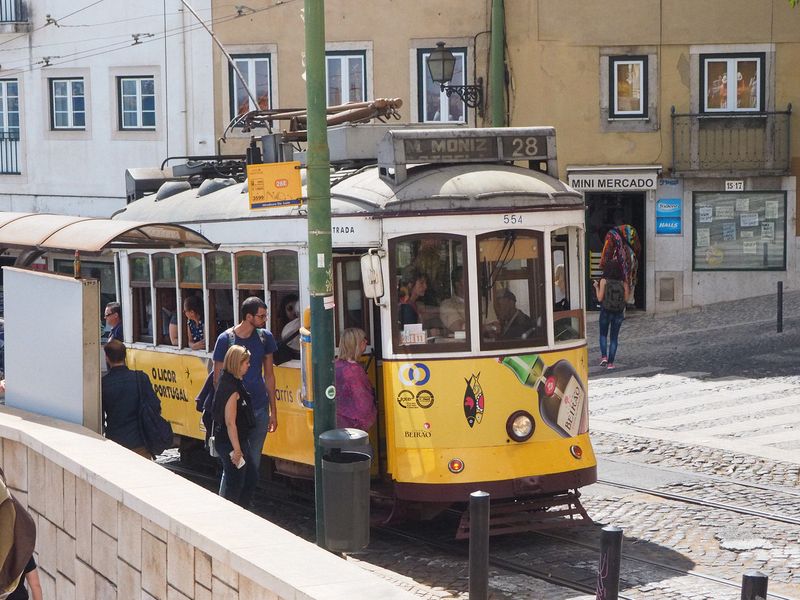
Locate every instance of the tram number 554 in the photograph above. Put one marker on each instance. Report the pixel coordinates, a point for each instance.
(512, 219)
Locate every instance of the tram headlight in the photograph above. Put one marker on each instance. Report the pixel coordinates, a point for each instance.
(520, 426)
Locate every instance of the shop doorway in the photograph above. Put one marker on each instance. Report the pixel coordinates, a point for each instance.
(605, 210)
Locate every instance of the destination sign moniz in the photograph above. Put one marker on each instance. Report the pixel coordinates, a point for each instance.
(456, 149)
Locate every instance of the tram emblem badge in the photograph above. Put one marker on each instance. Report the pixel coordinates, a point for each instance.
(473, 401)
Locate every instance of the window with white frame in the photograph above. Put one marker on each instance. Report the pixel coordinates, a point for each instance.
(256, 69)
(732, 82)
(9, 109)
(137, 102)
(67, 104)
(434, 104)
(627, 87)
(346, 77)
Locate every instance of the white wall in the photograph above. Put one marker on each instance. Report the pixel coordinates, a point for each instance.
(82, 172)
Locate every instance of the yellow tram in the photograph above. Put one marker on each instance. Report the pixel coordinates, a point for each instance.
(459, 253)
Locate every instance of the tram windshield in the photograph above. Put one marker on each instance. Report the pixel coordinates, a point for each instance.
(512, 289)
(429, 293)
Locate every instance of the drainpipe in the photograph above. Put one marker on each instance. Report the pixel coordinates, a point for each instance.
(319, 243)
(497, 75)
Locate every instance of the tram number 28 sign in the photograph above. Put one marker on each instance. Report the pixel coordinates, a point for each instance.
(483, 148)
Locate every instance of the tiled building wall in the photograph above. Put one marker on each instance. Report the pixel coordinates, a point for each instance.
(90, 545)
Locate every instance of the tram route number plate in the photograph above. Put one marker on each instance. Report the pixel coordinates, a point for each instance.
(455, 149)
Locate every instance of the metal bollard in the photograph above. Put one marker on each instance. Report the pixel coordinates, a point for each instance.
(479, 546)
(610, 558)
(780, 307)
(754, 585)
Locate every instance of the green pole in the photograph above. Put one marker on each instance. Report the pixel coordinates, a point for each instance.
(319, 241)
(497, 75)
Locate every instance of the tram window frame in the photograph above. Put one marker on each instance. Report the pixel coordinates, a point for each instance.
(278, 289)
(90, 269)
(166, 297)
(189, 287)
(536, 290)
(140, 300)
(565, 317)
(344, 287)
(247, 289)
(394, 295)
(217, 287)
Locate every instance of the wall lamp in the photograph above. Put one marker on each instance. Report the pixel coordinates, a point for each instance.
(441, 64)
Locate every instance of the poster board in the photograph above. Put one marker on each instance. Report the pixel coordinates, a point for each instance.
(52, 338)
(739, 231)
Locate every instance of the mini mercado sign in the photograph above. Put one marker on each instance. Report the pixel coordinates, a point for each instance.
(668, 216)
(274, 184)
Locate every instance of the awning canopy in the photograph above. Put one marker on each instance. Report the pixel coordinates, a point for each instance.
(46, 232)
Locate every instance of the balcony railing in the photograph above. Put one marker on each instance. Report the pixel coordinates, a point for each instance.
(732, 144)
(12, 11)
(9, 153)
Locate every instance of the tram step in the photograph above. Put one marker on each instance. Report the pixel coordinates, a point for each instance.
(535, 514)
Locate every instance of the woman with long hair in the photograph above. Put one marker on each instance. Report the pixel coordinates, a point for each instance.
(233, 422)
(613, 293)
(355, 398)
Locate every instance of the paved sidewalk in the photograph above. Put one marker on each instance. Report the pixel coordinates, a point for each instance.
(720, 377)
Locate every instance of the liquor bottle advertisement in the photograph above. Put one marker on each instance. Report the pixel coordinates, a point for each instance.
(453, 402)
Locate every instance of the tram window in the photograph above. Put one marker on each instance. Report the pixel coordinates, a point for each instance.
(284, 287)
(190, 283)
(139, 266)
(102, 271)
(220, 293)
(429, 293)
(567, 313)
(352, 308)
(249, 276)
(166, 298)
(512, 294)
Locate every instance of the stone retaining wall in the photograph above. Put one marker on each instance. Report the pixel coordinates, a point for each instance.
(114, 525)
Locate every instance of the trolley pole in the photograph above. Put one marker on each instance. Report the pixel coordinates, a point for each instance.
(497, 70)
(319, 243)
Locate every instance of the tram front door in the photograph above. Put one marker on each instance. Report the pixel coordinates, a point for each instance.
(605, 210)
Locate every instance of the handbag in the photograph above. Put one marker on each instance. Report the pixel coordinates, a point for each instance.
(156, 431)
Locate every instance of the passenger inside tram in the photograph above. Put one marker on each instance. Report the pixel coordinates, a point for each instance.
(452, 310)
(511, 323)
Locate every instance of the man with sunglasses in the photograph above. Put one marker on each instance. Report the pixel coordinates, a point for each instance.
(259, 380)
(113, 317)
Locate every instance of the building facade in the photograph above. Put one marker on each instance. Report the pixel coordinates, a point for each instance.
(672, 116)
(88, 90)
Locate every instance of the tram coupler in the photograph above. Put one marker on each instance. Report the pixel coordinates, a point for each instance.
(533, 514)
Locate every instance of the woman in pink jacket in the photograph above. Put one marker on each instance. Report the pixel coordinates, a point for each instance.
(355, 398)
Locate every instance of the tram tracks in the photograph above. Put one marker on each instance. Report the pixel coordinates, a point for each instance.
(704, 503)
(552, 570)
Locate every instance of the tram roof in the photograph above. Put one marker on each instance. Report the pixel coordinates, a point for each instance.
(92, 235)
(456, 188)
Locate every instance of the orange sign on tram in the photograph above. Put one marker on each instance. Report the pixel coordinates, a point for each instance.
(274, 184)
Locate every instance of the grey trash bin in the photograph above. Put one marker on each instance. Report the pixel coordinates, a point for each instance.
(345, 488)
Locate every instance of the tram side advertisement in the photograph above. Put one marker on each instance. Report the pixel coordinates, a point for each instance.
(445, 403)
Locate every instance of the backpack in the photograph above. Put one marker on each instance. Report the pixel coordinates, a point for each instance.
(156, 430)
(614, 296)
(17, 539)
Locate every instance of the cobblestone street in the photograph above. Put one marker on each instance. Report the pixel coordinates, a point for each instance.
(704, 404)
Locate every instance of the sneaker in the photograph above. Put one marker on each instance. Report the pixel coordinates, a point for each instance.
(610, 366)
(603, 361)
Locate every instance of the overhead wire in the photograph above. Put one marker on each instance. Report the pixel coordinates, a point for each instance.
(115, 46)
(51, 21)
